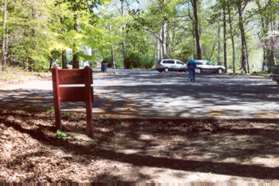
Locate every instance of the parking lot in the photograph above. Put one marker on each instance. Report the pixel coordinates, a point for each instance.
(153, 94)
(141, 93)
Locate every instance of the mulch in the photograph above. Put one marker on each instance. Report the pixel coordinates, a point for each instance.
(31, 151)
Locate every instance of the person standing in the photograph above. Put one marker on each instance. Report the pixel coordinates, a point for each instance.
(191, 65)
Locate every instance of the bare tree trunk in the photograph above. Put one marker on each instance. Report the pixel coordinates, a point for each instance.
(270, 51)
(113, 58)
(225, 37)
(4, 42)
(165, 39)
(232, 38)
(75, 50)
(156, 58)
(270, 57)
(123, 43)
(162, 41)
(244, 50)
(219, 44)
(64, 59)
(158, 47)
(196, 29)
(75, 57)
(112, 53)
(264, 30)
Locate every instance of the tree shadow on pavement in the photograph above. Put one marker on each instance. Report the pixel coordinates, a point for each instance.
(173, 96)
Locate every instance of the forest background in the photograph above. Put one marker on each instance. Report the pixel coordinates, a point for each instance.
(242, 35)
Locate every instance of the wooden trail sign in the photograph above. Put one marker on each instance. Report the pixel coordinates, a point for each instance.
(73, 85)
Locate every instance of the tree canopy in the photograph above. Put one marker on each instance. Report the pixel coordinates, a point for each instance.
(132, 33)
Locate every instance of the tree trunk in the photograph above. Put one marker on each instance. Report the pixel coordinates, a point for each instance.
(196, 29)
(264, 30)
(270, 59)
(112, 53)
(64, 59)
(123, 43)
(165, 39)
(232, 38)
(244, 50)
(113, 58)
(225, 37)
(75, 50)
(219, 44)
(158, 48)
(4, 42)
(75, 58)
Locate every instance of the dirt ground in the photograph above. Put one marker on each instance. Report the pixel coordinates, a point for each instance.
(135, 150)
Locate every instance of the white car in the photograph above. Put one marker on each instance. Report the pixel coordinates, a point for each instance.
(170, 65)
(207, 67)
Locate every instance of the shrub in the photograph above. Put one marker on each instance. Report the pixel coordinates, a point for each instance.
(134, 60)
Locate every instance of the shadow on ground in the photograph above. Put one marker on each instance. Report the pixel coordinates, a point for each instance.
(170, 94)
(247, 148)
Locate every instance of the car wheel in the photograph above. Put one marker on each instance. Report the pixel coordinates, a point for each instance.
(220, 71)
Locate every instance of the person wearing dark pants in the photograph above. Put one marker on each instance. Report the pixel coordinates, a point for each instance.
(191, 65)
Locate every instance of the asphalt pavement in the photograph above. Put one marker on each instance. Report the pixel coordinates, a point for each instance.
(140, 93)
(171, 94)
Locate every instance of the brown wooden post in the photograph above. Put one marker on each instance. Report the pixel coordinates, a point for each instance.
(73, 92)
(56, 96)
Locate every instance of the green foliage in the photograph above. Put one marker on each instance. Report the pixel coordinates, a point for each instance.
(39, 30)
(134, 60)
(62, 135)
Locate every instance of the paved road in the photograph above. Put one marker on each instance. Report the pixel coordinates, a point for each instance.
(171, 95)
(150, 94)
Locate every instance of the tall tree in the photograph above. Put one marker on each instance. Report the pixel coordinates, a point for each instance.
(241, 5)
(78, 7)
(123, 44)
(219, 43)
(229, 7)
(225, 33)
(4, 38)
(196, 28)
(266, 11)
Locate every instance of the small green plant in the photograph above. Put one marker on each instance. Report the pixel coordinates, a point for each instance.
(62, 135)
(50, 110)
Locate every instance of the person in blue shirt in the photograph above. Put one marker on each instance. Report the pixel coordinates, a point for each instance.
(192, 65)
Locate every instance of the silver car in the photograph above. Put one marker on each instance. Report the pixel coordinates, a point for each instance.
(165, 65)
(205, 66)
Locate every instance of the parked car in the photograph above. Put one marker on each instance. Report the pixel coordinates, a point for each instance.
(170, 65)
(205, 66)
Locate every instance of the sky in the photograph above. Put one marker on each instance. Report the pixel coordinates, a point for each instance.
(133, 4)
